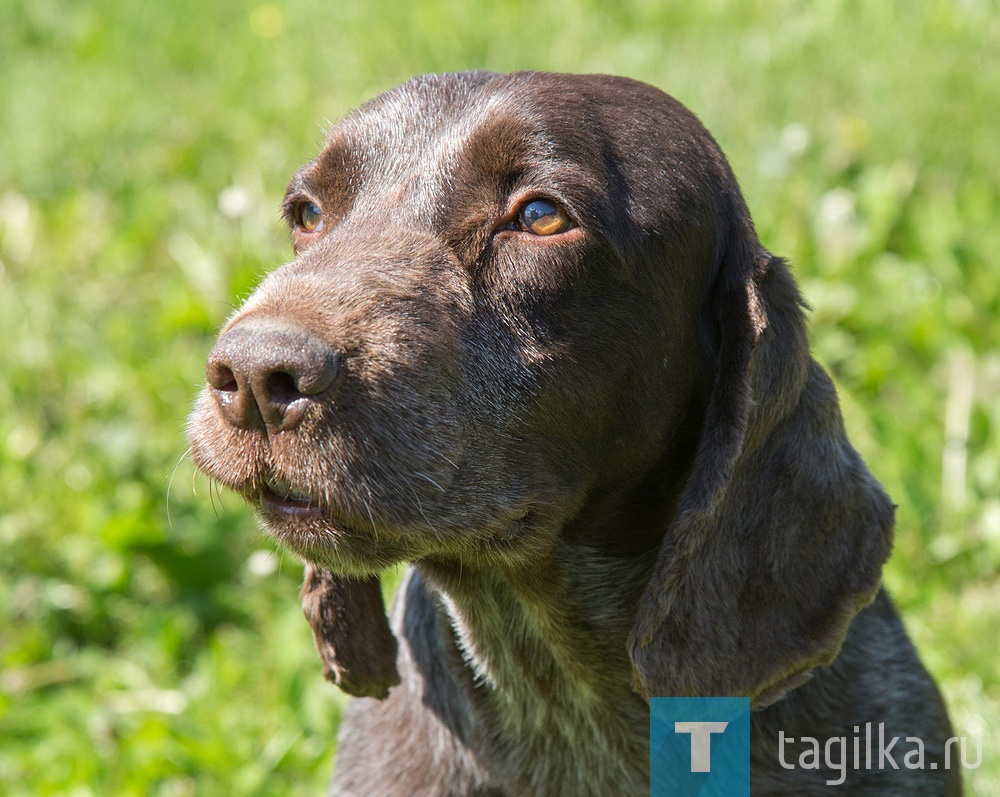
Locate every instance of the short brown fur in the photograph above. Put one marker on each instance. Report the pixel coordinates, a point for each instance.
(607, 452)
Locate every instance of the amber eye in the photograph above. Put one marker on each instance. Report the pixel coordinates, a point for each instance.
(541, 217)
(308, 216)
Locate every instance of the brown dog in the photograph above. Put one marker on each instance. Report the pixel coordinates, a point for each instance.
(530, 343)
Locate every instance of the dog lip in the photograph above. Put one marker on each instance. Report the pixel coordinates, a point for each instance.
(288, 504)
(279, 495)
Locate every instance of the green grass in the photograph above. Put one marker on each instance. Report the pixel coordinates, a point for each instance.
(150, 639)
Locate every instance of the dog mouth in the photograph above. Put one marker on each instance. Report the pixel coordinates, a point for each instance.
(306, 523)
(279, 495)
(318, 527)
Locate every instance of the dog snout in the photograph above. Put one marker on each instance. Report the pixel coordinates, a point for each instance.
(265, 374)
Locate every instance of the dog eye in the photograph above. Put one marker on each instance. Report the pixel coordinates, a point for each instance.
(541, 217)
(309, 216)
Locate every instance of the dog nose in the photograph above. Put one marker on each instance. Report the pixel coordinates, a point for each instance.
(265, 375)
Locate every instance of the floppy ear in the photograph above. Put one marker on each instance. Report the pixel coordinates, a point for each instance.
(351, 632)
(781, 531)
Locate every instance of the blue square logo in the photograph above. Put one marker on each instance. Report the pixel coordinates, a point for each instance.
(699, 747)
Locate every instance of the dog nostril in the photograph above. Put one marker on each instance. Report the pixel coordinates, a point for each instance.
(222, 378)
(284, 393)
(282, 388)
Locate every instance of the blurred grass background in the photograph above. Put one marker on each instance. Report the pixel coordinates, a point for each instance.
(151, 641)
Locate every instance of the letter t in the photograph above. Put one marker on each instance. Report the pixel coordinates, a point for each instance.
(701, 742)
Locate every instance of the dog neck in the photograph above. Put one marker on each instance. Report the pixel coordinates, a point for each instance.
(544, 658)
(541, 652)
(568, 618)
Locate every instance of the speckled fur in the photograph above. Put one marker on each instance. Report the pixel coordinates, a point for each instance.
(608, 454)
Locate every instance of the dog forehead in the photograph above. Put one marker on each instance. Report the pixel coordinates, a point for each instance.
(411, 148)
(428, 126)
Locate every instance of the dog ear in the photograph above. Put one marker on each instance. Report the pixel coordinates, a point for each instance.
(351, 632)
(781, 531)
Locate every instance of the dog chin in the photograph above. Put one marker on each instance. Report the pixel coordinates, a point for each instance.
(331, 544)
